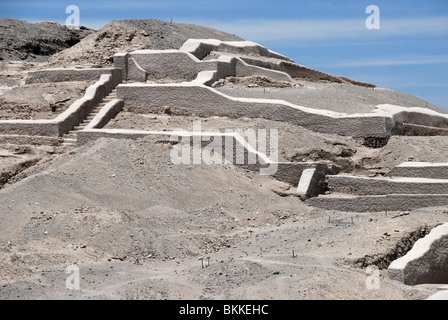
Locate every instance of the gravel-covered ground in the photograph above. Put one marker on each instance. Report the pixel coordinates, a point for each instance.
(40, 100)
(136, 225)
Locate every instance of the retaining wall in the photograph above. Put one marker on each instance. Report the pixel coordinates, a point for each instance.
(201, 100)
(225, 67)
(426, 262)
(419, 130)
(185, 65)
(121, 63)
(244, 69)
(375, 203)
(384, 186)
(200, 48)
(232, 66)
(295, 70)
(414, 115)
(30, 140)
(171, 64)
(68, 74)
(192, 98)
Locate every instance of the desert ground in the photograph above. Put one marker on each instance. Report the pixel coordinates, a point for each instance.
(140, 227)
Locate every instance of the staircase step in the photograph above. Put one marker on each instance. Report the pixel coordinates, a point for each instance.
(420, 170)
(391, 202)
(71, 137)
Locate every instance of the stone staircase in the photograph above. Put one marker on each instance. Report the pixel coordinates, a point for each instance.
(406, 187)
(70, 139)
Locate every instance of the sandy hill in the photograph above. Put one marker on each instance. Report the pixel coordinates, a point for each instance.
(21, 40)
(127, 35)
(24, 41)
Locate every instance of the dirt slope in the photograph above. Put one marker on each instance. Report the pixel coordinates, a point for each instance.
(136, 226)
(133, 34)
(20, 40)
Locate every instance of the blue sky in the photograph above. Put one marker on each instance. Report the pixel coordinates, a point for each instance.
(409, 52)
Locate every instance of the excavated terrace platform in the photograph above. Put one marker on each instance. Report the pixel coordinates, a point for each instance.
(344, 98)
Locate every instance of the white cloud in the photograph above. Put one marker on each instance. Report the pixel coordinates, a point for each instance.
(401, 61)
(280, 30)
